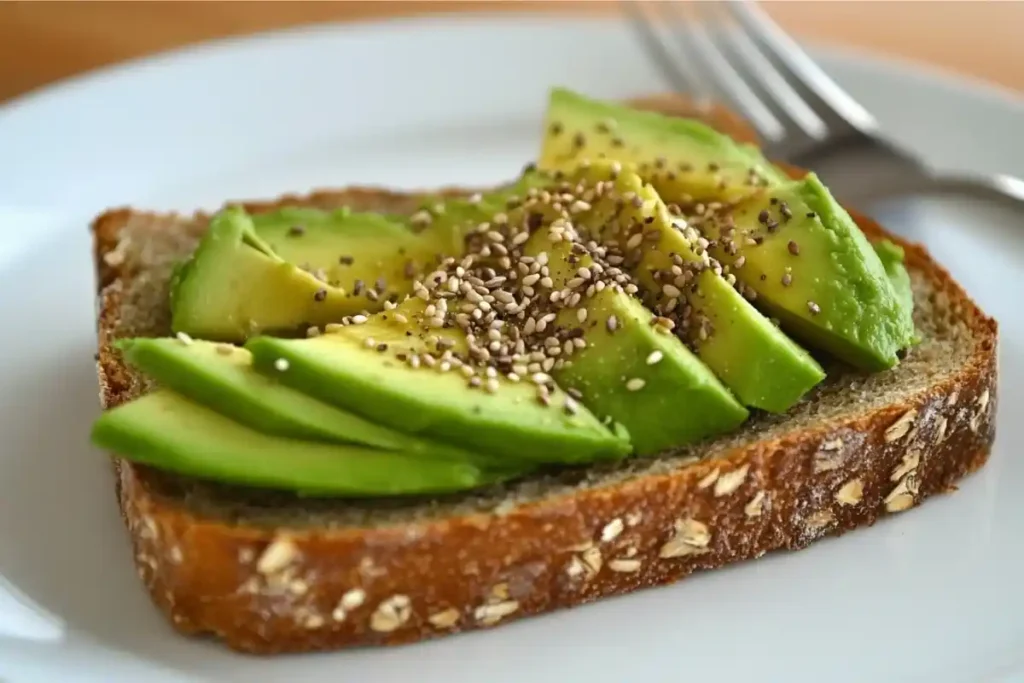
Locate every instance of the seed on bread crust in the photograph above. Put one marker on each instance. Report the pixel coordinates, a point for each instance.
(492, 613)
(753, 508)
(730, 481)
(445, 618)
(850, 493)
(278, 555)
(391, 614)
(612, 530)
(900, 427)
(624, 566)
(708, 479)
(691, 538)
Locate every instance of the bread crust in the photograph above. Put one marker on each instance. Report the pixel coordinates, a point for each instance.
(274, 590)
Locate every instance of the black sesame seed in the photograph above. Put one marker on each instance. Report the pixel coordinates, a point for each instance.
(811, 214)
(556, 129)
(357, 288)
(320, 295)
(346, 260)
(296, 230)
(534, 220)
(794, 248)
(579, 140)
(763, 216)
(773, 201)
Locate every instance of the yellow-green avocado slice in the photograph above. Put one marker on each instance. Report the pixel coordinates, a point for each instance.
(234, 285)
(680, 156)
(346, 368)
(815, 271)
(636, 373)
(168, 431)
(751, 356)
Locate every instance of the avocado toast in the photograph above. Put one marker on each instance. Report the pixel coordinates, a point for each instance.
(271, 571)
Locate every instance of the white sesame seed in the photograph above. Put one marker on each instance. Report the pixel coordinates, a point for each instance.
(540, 378)
(281, 364)
(401, 318)
(671, 291)
(655, 357)
(634, 241)
(635, 384)
(369, 342)
(184, 338)
(581, 315)
(358, 319)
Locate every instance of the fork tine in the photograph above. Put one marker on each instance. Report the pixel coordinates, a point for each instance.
(680, 79)
(828, 101)
(731, 83)
(769, 84)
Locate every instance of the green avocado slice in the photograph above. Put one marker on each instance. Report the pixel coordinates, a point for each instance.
(814, 270)
(166, 430)
(692, 166)
(632, 371)
(763, 367)
(682, 157)
(367, 369)
(221, 377)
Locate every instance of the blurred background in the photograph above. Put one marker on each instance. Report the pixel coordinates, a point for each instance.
(41, 42)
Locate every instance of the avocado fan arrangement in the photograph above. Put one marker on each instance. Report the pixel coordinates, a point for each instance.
(644, 286)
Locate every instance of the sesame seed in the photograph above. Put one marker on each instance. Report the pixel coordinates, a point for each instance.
(401, 318)
(369, 342)
(296, 230)
(612, 323)
(491, 386)
(814, 308)
(655, 357)
(358, 319)
(540, 378)
(226, 349)
(787, 280)
(581, 315)
(281, 364)
(346, 260)
(634, 241)
(794, 248)
(635, 384)
(184, 338)
(671, 291)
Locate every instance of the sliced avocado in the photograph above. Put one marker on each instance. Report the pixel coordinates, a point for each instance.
(221, 377)
(684, 159)
(234, 285)
(372, 257)
(631, 370)
(813, 269)
(752, 357)
(368, 369)
(891, 255)
(166, 430)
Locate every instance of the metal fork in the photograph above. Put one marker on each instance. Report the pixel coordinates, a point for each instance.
(734, 52)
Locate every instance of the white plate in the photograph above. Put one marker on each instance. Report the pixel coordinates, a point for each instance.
(933, 595)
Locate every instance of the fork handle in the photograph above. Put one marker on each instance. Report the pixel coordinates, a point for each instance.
(994, 187)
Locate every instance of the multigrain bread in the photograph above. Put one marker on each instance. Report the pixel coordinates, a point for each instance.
(266, 572)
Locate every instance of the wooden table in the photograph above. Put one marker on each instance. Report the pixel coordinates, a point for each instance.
(41, 42)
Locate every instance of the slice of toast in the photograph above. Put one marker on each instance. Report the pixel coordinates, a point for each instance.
(268, 572)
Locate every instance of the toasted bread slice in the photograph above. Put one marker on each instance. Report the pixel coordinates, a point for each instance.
(268, 572)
